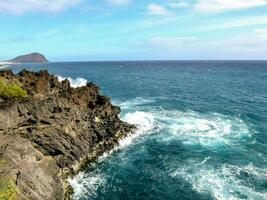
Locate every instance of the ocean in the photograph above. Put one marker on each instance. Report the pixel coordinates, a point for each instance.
(202, 130)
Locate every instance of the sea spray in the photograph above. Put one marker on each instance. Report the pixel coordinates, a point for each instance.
(77, 82)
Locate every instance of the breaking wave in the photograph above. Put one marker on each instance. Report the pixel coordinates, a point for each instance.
(86, 184)
(145, 123)
(78, 82)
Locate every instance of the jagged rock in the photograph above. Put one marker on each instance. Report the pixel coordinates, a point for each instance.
(54, 133)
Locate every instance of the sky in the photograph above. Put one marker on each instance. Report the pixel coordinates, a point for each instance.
(92, 30)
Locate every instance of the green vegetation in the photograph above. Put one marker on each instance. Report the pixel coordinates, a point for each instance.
(11, 90)
(8, 189)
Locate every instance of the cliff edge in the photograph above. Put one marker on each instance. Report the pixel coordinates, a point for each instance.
(51, 133)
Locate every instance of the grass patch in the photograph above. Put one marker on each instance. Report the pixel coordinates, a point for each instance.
(11, 90)
(7, 189)
(2, 162)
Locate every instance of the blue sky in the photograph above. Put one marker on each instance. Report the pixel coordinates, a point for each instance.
(80, 30)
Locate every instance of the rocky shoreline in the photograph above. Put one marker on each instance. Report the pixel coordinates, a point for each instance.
(53, 133)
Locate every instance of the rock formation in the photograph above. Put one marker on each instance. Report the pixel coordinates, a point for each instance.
(30, 58)
(53, 133)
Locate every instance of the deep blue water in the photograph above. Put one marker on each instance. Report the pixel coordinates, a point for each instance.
(202, 130)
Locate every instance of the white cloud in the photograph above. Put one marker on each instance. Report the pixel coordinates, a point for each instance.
(179, 5)
(254, 42)
(118, 2)
(23, 6)
(240, 46)
(224, 5)
(172, 42)
(236, 22)
(262, 31)
(176, 47)
(156, 9)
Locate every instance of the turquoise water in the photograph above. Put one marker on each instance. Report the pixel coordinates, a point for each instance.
(202, 130)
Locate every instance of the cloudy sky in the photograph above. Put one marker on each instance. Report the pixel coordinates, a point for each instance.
(73, 30)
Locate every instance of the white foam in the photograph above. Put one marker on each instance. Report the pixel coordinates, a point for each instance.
(203, 129)
(78, 82)
(223, 183)
(192, 128)
(144, 122)
(135, 103)
(86, 184)
(4, 66)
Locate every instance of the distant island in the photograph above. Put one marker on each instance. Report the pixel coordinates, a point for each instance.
(30, 58)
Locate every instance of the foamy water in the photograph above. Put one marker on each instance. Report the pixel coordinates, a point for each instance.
(211, 131)
(86, 184)
(224, 182)
(77, 82)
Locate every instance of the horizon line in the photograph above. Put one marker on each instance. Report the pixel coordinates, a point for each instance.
(161, 60)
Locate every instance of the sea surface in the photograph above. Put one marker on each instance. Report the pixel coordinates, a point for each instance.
(202, 130)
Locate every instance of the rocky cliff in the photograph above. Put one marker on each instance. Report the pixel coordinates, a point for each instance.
(53, 133)
(30, 58)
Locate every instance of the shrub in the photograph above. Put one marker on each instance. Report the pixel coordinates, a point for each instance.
(7, 189)
(10, 90)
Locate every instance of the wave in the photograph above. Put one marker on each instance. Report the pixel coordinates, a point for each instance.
(86, 184)
(136, 102)
(225, 182)
(145, 123)
(78, 82)
(210, 131)
(192, 128)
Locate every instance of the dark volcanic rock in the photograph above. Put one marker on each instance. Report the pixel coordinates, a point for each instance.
(54, 133)
(30, 58)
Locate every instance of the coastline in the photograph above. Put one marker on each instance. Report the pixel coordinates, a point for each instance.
(91, 157)
(62, 129)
